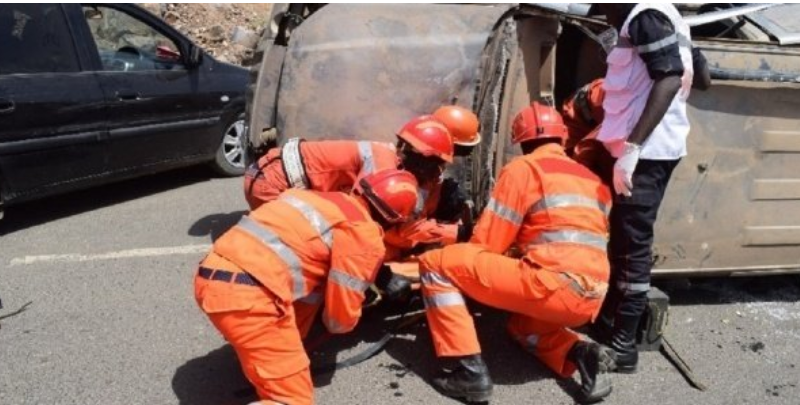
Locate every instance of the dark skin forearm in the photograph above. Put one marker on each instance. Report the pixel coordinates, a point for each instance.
(661, 95)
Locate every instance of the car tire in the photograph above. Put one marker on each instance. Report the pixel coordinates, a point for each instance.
(229, 160)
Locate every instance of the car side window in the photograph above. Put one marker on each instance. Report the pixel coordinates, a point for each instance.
(35, 38)
(128, 44)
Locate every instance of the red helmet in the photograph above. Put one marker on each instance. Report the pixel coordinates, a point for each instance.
(538, 121)
(429, 137)
(462, 123)
(391, 192)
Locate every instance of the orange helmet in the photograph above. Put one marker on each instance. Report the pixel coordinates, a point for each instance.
(462, 123)
(538, 121)
(391, 192)
(429, 137)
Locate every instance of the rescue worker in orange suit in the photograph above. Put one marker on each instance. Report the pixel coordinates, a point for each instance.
(265, 279)
(583, 114)
(554, 212)
(317, 165)
(441, 201)
(424, 147)
(443, 214)
(649, 77)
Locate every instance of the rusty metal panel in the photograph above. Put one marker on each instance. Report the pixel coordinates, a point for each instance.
(359, 72)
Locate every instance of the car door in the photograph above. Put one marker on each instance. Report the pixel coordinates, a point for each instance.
(157, 112)
(52, 113)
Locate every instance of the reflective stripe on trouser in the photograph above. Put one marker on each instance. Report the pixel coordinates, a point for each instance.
(263, 333)
(549, 342)
(451, 325)
(547, 307)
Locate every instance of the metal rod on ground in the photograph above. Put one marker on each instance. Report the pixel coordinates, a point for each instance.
(669, 352)
(17, 312)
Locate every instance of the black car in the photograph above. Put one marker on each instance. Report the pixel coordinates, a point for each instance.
(100, 92)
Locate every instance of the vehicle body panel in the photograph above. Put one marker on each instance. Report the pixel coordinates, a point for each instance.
(390, 63)
(51, 124)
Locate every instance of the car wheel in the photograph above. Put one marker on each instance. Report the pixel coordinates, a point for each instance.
(230, 155)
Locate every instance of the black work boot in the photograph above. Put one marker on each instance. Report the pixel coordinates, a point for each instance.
(468, 380)
(623, 342)
(593, 362)
(601, 330)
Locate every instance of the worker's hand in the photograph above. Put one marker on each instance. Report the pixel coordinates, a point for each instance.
(624, 168)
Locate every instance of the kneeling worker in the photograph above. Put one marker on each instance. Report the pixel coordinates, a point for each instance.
(554, 211)
(265, 278)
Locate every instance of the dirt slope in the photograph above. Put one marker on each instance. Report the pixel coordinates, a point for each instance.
(228, 31)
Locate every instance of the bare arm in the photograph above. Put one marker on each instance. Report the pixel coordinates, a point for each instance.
(664, 90)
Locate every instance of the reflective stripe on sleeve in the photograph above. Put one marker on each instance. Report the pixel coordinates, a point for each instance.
(431, 278)
(347, 281)
(656, 45)
(449, 299)
(504, 212)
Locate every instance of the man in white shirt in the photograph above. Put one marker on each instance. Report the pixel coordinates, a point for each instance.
(645, 127)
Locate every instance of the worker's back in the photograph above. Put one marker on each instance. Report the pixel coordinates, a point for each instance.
(567, 228)
(287, 244)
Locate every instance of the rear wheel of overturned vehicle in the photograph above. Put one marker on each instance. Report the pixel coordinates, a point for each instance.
(229, 160)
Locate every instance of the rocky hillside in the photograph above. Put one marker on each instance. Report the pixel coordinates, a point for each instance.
(228, 31)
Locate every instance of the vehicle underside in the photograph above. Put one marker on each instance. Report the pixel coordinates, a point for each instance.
(320, 79)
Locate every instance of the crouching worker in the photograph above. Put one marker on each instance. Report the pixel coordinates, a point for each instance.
(265, 279)
(554, 211)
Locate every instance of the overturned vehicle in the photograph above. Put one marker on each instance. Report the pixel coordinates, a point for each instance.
(360, 71)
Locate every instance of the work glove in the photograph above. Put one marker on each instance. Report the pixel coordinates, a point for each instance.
(452, 201)
(465, 232)
(395, 287)
(624, 168)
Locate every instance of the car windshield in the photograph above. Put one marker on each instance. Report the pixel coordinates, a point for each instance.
(781, 21)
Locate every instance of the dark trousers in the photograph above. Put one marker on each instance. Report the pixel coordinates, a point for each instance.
(630, 246)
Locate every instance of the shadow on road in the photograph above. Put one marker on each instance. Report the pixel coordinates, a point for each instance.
(717, 291)
(217, 379)
(39, 212)
(215, 225)
(214, 379)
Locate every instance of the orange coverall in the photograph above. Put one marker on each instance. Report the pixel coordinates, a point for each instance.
(322, 166)
(265, 279)
(555, 211)
(583, 113)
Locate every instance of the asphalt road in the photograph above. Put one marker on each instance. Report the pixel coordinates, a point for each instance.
(112, 319)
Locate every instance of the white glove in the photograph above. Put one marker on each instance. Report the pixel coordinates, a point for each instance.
(624, 167)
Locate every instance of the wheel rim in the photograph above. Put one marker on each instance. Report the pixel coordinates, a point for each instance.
(232, 144)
